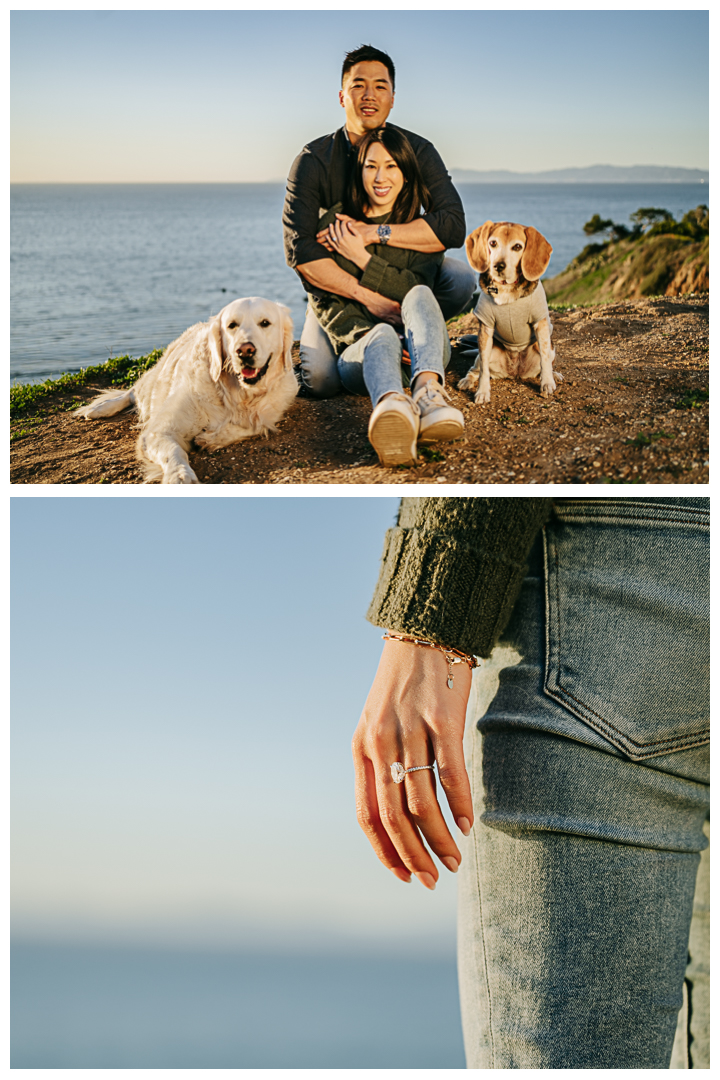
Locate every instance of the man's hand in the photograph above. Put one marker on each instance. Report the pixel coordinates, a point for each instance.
(386, 310)
(411, 716)
(326, 274)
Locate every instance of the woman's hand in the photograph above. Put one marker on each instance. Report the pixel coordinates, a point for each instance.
(367, 233)
(344, 237)
(412, 716)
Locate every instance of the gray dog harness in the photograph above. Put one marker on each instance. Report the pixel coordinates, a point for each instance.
(512, 324)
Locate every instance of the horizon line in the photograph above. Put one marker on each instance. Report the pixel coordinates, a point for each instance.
(208, 183)
(453, 170)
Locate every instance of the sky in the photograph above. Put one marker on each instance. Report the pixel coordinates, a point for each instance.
(233, 95)
(187, 675)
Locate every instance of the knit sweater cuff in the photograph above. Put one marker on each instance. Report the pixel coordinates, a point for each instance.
(457, 589)
(373, 273)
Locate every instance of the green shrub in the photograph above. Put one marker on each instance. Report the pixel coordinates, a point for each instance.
(123, 371)
(649, 216)
(692, 399)
(596, 224)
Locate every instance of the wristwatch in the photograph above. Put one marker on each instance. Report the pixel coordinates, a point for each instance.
(383, 232)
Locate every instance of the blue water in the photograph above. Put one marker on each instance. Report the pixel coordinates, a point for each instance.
(91, 1007)
(102, 270)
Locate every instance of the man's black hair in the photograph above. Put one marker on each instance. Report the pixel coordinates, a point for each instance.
(367, 52)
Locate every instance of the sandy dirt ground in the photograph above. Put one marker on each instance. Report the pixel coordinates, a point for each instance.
(621, 415)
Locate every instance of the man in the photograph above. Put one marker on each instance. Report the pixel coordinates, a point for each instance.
(317, 181)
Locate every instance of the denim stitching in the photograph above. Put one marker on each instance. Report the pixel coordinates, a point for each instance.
(681, 509)
(620, 516)
(669, 744)
(661, 744)
(633, 517)
(482, 924)
(647, 504)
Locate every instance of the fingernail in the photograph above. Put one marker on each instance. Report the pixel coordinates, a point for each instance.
(425, 879)
(464, 826)
(403, 875)
(452, 864)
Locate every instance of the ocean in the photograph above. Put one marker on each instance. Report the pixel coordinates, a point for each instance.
(100, 270)
(104, 1007)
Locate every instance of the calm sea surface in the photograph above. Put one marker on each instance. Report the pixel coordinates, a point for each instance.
(120, 1008)
(99, 270)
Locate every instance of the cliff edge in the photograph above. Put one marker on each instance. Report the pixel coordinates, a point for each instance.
(659, 257)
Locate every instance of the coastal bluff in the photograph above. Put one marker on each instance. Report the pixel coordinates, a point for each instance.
(659, 256)
(633, 408)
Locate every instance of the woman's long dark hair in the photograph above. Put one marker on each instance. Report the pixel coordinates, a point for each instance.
(414, 194)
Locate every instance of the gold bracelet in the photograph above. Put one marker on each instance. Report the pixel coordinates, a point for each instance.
(452, 656)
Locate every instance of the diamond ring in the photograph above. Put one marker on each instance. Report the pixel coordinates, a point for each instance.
(399, 772)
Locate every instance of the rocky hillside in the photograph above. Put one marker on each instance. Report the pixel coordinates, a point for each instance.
(659, 257)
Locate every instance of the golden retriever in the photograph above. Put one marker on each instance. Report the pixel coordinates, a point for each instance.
(219, 382)
(515, 332)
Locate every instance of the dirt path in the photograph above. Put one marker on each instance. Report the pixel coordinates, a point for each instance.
(632, 408)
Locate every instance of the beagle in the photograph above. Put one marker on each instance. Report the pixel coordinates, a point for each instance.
(515, 332)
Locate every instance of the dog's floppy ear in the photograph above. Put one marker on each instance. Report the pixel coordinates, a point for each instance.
(476, 247)
(536, 256)
(288, 336)
(215, 344)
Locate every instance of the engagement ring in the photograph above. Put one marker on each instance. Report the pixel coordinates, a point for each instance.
(399, 772)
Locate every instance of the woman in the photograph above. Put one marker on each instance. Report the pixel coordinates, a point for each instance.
(583, 787)
(386, 188)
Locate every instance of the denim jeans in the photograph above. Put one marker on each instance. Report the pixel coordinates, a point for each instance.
(453, 290)
(587, 751)
(372, 364)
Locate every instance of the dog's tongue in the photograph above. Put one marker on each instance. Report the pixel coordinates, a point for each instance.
(249, 372)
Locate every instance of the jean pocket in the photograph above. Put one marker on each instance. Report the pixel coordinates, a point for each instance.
(627, 625)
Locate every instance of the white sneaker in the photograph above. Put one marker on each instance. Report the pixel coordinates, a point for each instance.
(393, 430)
(438, 420)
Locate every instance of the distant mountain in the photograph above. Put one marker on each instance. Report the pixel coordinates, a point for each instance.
(591, 174)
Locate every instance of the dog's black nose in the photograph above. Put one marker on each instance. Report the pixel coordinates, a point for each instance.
(246, 349)
(499, 265)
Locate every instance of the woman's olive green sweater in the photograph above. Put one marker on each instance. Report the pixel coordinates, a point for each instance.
(452, 568)
(392, 272)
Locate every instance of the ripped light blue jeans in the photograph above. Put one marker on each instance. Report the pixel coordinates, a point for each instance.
(372, 365)
(583, 919)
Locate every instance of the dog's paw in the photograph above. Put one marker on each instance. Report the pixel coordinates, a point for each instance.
(548, 387)
(559, 375)
(204, 441)
(469, 382)
(483, 394)
(180, 474)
